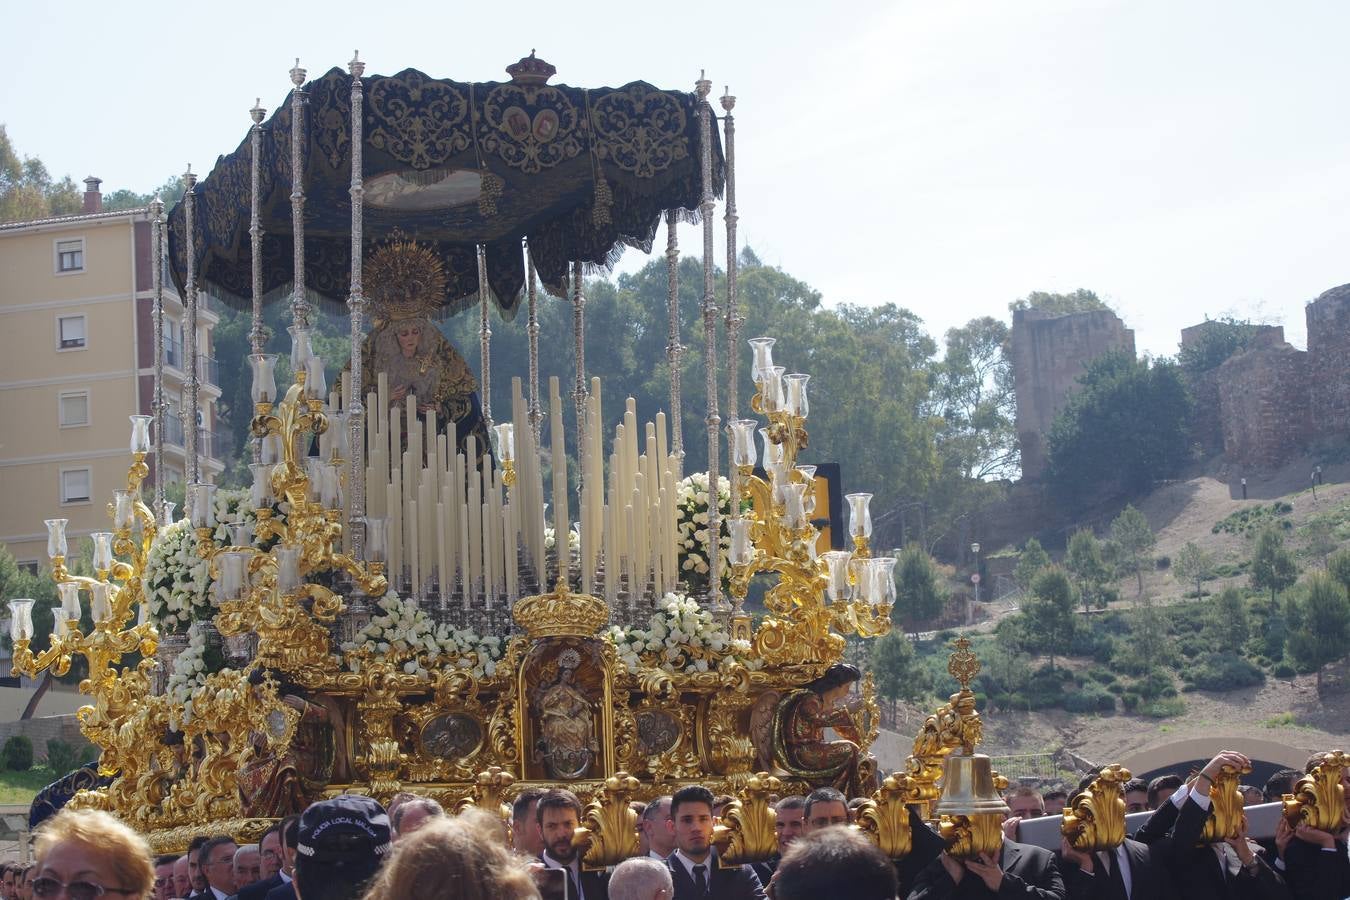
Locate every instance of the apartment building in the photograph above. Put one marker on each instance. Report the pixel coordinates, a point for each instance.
(77, 358)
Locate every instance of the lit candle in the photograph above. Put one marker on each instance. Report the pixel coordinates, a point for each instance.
(103, 554)
(264, 367)
(140, 434)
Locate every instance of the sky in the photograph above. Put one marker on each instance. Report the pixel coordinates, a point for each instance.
(1181, 158)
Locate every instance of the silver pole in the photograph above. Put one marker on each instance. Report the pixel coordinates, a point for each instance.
(356, 307)
(485, 337)
(674, 350)
(579, 391)
(157, 315)
(734, 318)
(257, 335)
(299, 305)
(702, 88)
(532, 331)
(190, 327)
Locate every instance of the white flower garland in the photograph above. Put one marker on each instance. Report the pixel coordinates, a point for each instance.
(680, 636)
(190, 670)
(692, 538)
(404, 629)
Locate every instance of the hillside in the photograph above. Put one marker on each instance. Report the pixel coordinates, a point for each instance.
(1101, 668)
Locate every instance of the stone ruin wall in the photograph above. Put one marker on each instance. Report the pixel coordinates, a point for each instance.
(1259, 408)
(1048, 354)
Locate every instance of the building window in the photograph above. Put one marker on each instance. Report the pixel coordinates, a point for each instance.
(75, 486)
(70, 332)
(173, 345)
(30, 566)
(69, 256)
(74, 408)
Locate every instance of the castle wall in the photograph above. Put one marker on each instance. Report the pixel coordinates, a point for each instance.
(1048, 354)
(1265, 405)
(1328, 319)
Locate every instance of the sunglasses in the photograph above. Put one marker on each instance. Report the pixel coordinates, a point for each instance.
(76, 890)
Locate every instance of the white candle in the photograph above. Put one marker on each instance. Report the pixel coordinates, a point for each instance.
(412, 550)
(475, 520)
(611, 563)
(442, 556)
(560, 519)
(465, 566)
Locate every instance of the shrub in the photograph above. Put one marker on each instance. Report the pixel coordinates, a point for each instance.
(1164, 709)
(63, 757)
(1116, 688)
(18, 753)
(1162, 563)
(1283, 670)
(1224, 671)
(1091, 697)
(1130, 700)
(1154, 685)
(1102, 676)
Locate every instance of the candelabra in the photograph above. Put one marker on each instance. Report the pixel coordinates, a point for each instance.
(268, 591)
(114, 593)
(776, 534)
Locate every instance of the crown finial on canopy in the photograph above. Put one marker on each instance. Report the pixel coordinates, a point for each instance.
(531, 70)
(728, 99)
(189, 177)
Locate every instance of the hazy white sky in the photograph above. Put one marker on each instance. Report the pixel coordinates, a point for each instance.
(1179, 157)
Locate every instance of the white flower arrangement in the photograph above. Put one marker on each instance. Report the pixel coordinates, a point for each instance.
(680, 636)
(405, 631)
(692, 538)
(190, 671)
(177, 582)
(573, 539)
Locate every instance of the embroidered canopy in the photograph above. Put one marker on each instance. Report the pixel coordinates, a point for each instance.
(577, 171)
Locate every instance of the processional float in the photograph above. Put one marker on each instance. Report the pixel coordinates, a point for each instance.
(396, 603)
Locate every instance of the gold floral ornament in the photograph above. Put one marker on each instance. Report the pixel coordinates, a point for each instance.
(608, 832)
(488, 793)
(1319, 798)
(1226, 817)
(405, 280)
(884, 818)
(1095, 819)
(747, 831)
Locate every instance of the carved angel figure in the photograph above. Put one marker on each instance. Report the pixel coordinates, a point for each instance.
(800, 747)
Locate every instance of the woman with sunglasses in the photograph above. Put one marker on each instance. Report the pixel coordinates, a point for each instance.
(87, 854)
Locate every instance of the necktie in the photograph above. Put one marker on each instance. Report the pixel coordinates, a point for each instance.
(701, 880)
(1117, 878)
(572, 892)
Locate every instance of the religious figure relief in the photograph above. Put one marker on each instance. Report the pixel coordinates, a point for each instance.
(565, 741)
(280, 782)
(800, 746)
(406, 283)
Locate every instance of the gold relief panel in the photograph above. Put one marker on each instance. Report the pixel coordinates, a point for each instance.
(445, 743)
(565, 710)
(665, 741)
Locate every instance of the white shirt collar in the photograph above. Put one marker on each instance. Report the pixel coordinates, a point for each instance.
(285, 879)
(216, 892)
(574, 867)
(689, 863)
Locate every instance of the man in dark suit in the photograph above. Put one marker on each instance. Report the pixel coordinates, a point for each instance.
(1313, 862)
(1228, 869)
(290, 838)
(1016, 870)
(693, 865)
(269, 859)
(558, 814)
(789, 816)
(1128, 872)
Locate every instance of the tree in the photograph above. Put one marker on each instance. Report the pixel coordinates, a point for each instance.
(918, 591)
(1081, 300)
(1148, 635)
(1049, 613)
(1135, 538)
(1221, 338)
(1229, 622)
(1322, 632)
(1193, 562)
(1127, 425)
(1338, 567)
(974, 395)
(898, 673)
(1085, 562)
(27, 189)
(1321, 540)
(1272, 567)
(1030, 562)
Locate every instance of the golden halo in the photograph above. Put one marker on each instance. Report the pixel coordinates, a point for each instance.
(405, 279)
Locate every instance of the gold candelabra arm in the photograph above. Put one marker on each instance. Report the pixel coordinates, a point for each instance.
(369, 577)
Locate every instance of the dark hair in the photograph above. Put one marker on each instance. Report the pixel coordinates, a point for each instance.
(1055, 792)
(218, 840)
(791, 801)
(835, 862)
(433, 810)
(274, 828)
(1281, 783)
(1134, 785)
(723, 799)
(521, 805)
(654, 808)
(557, 798)
(690, 793)
(836, 675)
(1162, 784)
(196, 843)
(167, 859)
(823, 795)
(290, 831)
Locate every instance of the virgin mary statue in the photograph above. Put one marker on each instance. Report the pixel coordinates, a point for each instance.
(406, 285)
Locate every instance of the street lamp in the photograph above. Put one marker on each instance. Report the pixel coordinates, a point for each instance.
(975, 578)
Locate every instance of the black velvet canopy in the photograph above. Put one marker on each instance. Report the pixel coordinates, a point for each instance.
(577, 171)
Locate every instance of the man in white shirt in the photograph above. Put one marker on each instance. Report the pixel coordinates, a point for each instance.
(217, 864)
(693, 865)
(559, 815)
(655, 825)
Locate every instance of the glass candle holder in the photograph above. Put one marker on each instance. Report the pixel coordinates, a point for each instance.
(761, 349)
(233, 574)
(270, 452)
(331, 494)
(60, 625)
(301, 350)
(836, 574)
(313, 478)
(771, 389)
(795, 394)
(56, 537)
(377, 546)
(260, 492)
(338, 435)
(242, 535)
(859, 515)
(743, 442)
(100, 601)
(201, 500)
(166, 514)
(808, 474)
(69, 592)
(264, 367)
(505, 434)
(316, 382)
(103, 552)
(140, 433)
(124, 510)
(883, 580)
(860, 575)
(778, 480)
(21, 619)
(288, 568)
(742, 550)
(794, 505)
(773, 453)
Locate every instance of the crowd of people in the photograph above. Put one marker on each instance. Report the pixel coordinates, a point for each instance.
(352, 848)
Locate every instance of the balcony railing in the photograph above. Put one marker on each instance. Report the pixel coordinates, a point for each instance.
(173, 353)
(208, 370)
(210, 444)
